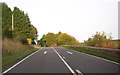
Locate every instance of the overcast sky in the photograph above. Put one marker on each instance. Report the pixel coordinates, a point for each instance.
(79, 18)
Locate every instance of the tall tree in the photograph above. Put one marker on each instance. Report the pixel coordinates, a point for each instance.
(17, 21)
(42, 41)
(6, 21)
(22, 25)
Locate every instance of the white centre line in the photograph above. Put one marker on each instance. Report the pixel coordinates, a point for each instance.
(69, 52)
(20, 62)
(65, 62)
(45, 52)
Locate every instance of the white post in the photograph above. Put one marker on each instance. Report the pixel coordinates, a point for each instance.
(35, 42)
(12, 22)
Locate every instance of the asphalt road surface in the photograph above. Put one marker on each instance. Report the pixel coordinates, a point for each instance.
(61, 60)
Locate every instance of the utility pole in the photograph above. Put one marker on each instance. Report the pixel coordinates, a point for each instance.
(12, 23)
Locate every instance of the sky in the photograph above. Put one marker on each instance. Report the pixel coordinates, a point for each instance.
(78, 18)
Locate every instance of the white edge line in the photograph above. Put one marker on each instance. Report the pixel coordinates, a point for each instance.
(100, 58)
(19, 62)
(65, 62)
(63, 57)
(79, 72)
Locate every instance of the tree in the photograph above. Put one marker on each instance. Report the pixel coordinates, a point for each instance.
(22, 25)
(65, 39)
(6, 21)
(33, 32)
(42, 41)
(50, 39)
(60, 38)
(98, 40)
(17, 21)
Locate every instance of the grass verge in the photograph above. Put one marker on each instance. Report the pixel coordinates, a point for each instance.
(10, 60)
(102, 54)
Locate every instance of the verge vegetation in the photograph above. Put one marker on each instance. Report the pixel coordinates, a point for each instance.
(103, 54)
(12, 46)
(14, 40)
(102, 40)
(10, 60)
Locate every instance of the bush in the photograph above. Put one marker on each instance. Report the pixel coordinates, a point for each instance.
(101, 40)
(33, 42)
(7, 33)
(21, 38)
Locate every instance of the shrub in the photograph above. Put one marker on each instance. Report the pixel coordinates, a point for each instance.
(101, 40)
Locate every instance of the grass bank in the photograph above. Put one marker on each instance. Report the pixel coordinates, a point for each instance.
(102, 54)
(13, 46)
(10, 60)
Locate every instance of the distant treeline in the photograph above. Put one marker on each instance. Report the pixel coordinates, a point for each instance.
(52, 39)
(22, 29)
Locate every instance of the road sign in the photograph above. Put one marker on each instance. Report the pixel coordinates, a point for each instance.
(29, 40)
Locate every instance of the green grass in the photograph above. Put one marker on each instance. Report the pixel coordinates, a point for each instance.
(82, 44)
(10, 60)
(103, 54)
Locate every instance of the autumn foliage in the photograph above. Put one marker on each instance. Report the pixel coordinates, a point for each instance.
(101, 40)
(65, 39)
(52, 39)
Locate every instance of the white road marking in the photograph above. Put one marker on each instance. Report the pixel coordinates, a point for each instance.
(100, 58)
(65, 62)
(63, 57)
(20, 61)
(45, 52)
(69, 52)
(79, 73)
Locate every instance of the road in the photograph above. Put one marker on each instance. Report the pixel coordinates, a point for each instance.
(60, 60)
